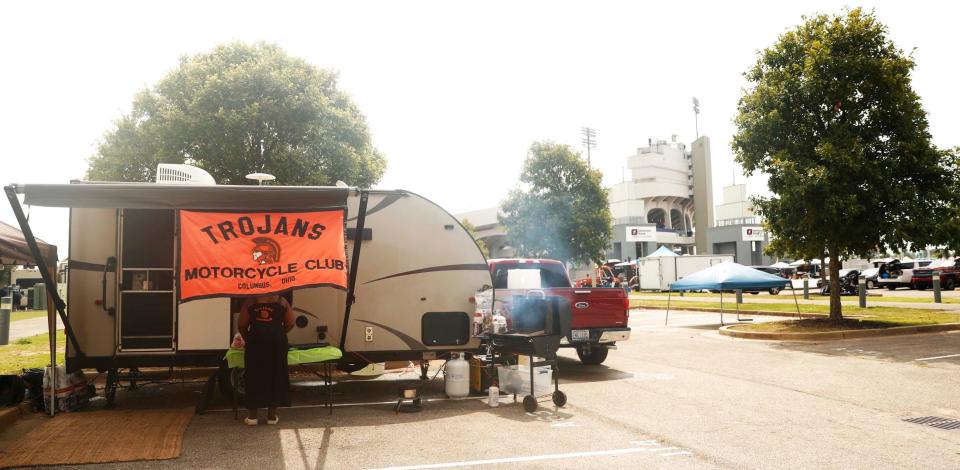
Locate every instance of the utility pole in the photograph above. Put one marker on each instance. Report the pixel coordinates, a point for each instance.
(696, 115)
(589, 141)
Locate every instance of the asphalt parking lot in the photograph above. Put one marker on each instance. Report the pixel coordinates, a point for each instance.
(672, 397)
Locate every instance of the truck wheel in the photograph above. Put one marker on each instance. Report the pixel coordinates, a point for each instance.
(871, 284)
(595, 357)
(919, 286)
(891, 287)
(949, 284)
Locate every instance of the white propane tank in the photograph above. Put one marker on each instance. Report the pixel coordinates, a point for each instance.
(456, 377)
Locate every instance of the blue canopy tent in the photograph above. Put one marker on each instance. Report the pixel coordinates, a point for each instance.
(728, 276)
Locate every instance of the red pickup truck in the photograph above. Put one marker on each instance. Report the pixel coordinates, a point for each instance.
(947, 270)
(599, 315)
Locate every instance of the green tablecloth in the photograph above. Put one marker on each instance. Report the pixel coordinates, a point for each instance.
(234, 357)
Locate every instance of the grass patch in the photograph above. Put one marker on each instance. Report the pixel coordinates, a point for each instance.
(892, 316)
(816, 325)
(27, 314)
(33, 351)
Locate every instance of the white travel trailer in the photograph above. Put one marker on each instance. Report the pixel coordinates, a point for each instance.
(412, 271)
(658, 272)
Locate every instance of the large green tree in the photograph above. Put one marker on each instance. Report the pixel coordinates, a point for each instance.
(831, 117)
(472, 230)
(560, 210)
(239, 109)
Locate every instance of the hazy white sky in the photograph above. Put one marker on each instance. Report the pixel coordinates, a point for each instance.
(454, 92)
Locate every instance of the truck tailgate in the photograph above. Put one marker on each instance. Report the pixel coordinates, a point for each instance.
(596, 307)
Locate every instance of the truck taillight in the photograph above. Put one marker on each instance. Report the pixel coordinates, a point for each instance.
(626, 302)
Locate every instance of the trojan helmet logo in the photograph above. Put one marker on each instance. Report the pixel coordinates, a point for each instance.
(265, 251)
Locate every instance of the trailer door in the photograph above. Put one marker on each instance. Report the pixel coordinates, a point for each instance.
(146, 296)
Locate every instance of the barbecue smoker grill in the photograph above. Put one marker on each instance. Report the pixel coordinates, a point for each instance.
(538, 325)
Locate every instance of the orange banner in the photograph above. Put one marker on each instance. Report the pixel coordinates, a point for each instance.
(226, 254)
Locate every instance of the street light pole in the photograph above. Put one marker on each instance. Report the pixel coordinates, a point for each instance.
(589, 141)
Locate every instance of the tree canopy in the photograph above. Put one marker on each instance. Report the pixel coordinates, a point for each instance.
(832, 118)
(561, 210)
(241, 109)
(472, 230)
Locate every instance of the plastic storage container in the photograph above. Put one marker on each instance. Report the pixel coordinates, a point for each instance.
(516, 379)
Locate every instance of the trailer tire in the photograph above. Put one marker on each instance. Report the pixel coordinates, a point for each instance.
(595, 357)
(224, 383)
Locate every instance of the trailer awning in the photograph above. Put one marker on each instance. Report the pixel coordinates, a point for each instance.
(171, 196)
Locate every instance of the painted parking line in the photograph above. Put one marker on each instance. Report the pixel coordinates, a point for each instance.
(538, 458)
(937, 357)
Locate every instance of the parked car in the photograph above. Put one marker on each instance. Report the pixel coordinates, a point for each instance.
(870, 276)
(898, 273)
(599, 314)
(948, 270)
(776, 272)
(848, 282)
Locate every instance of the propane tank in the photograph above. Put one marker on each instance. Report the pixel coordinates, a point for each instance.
(456, 377)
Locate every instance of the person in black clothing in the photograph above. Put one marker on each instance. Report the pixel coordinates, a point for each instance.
(263, 324)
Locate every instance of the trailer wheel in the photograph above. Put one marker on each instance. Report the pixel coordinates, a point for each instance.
(226, 382)
(596, 355)
(529, 404)
(559, 398)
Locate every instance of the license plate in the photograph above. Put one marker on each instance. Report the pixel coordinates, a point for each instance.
(580, 335)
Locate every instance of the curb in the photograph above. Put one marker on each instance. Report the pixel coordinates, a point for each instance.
(10, 415)
(843, 334)
(742, 312)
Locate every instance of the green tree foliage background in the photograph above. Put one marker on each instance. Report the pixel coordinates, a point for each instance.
(832, 118)
(240, 109)
(472, 229)
(560, 210)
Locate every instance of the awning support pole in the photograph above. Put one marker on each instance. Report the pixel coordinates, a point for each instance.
(797, 303)
(721, 305)
(42, 266)
(354, 263)
(665, 319)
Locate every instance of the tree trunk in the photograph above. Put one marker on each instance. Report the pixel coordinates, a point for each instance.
(835, 313)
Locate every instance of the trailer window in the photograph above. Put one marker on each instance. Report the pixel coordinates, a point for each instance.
(530, 276)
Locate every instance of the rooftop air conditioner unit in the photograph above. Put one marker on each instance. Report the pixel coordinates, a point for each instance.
(173, 173)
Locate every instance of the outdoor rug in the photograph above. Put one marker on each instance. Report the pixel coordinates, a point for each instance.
(100, 437)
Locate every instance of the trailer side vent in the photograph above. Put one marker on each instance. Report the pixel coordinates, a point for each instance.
(445, 328)
(172, 173)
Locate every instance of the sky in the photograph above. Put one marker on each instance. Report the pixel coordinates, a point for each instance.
(454, 92)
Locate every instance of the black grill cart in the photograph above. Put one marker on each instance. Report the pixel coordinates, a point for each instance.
(538, 324)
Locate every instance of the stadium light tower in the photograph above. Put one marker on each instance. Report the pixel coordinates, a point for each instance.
(696, 115)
